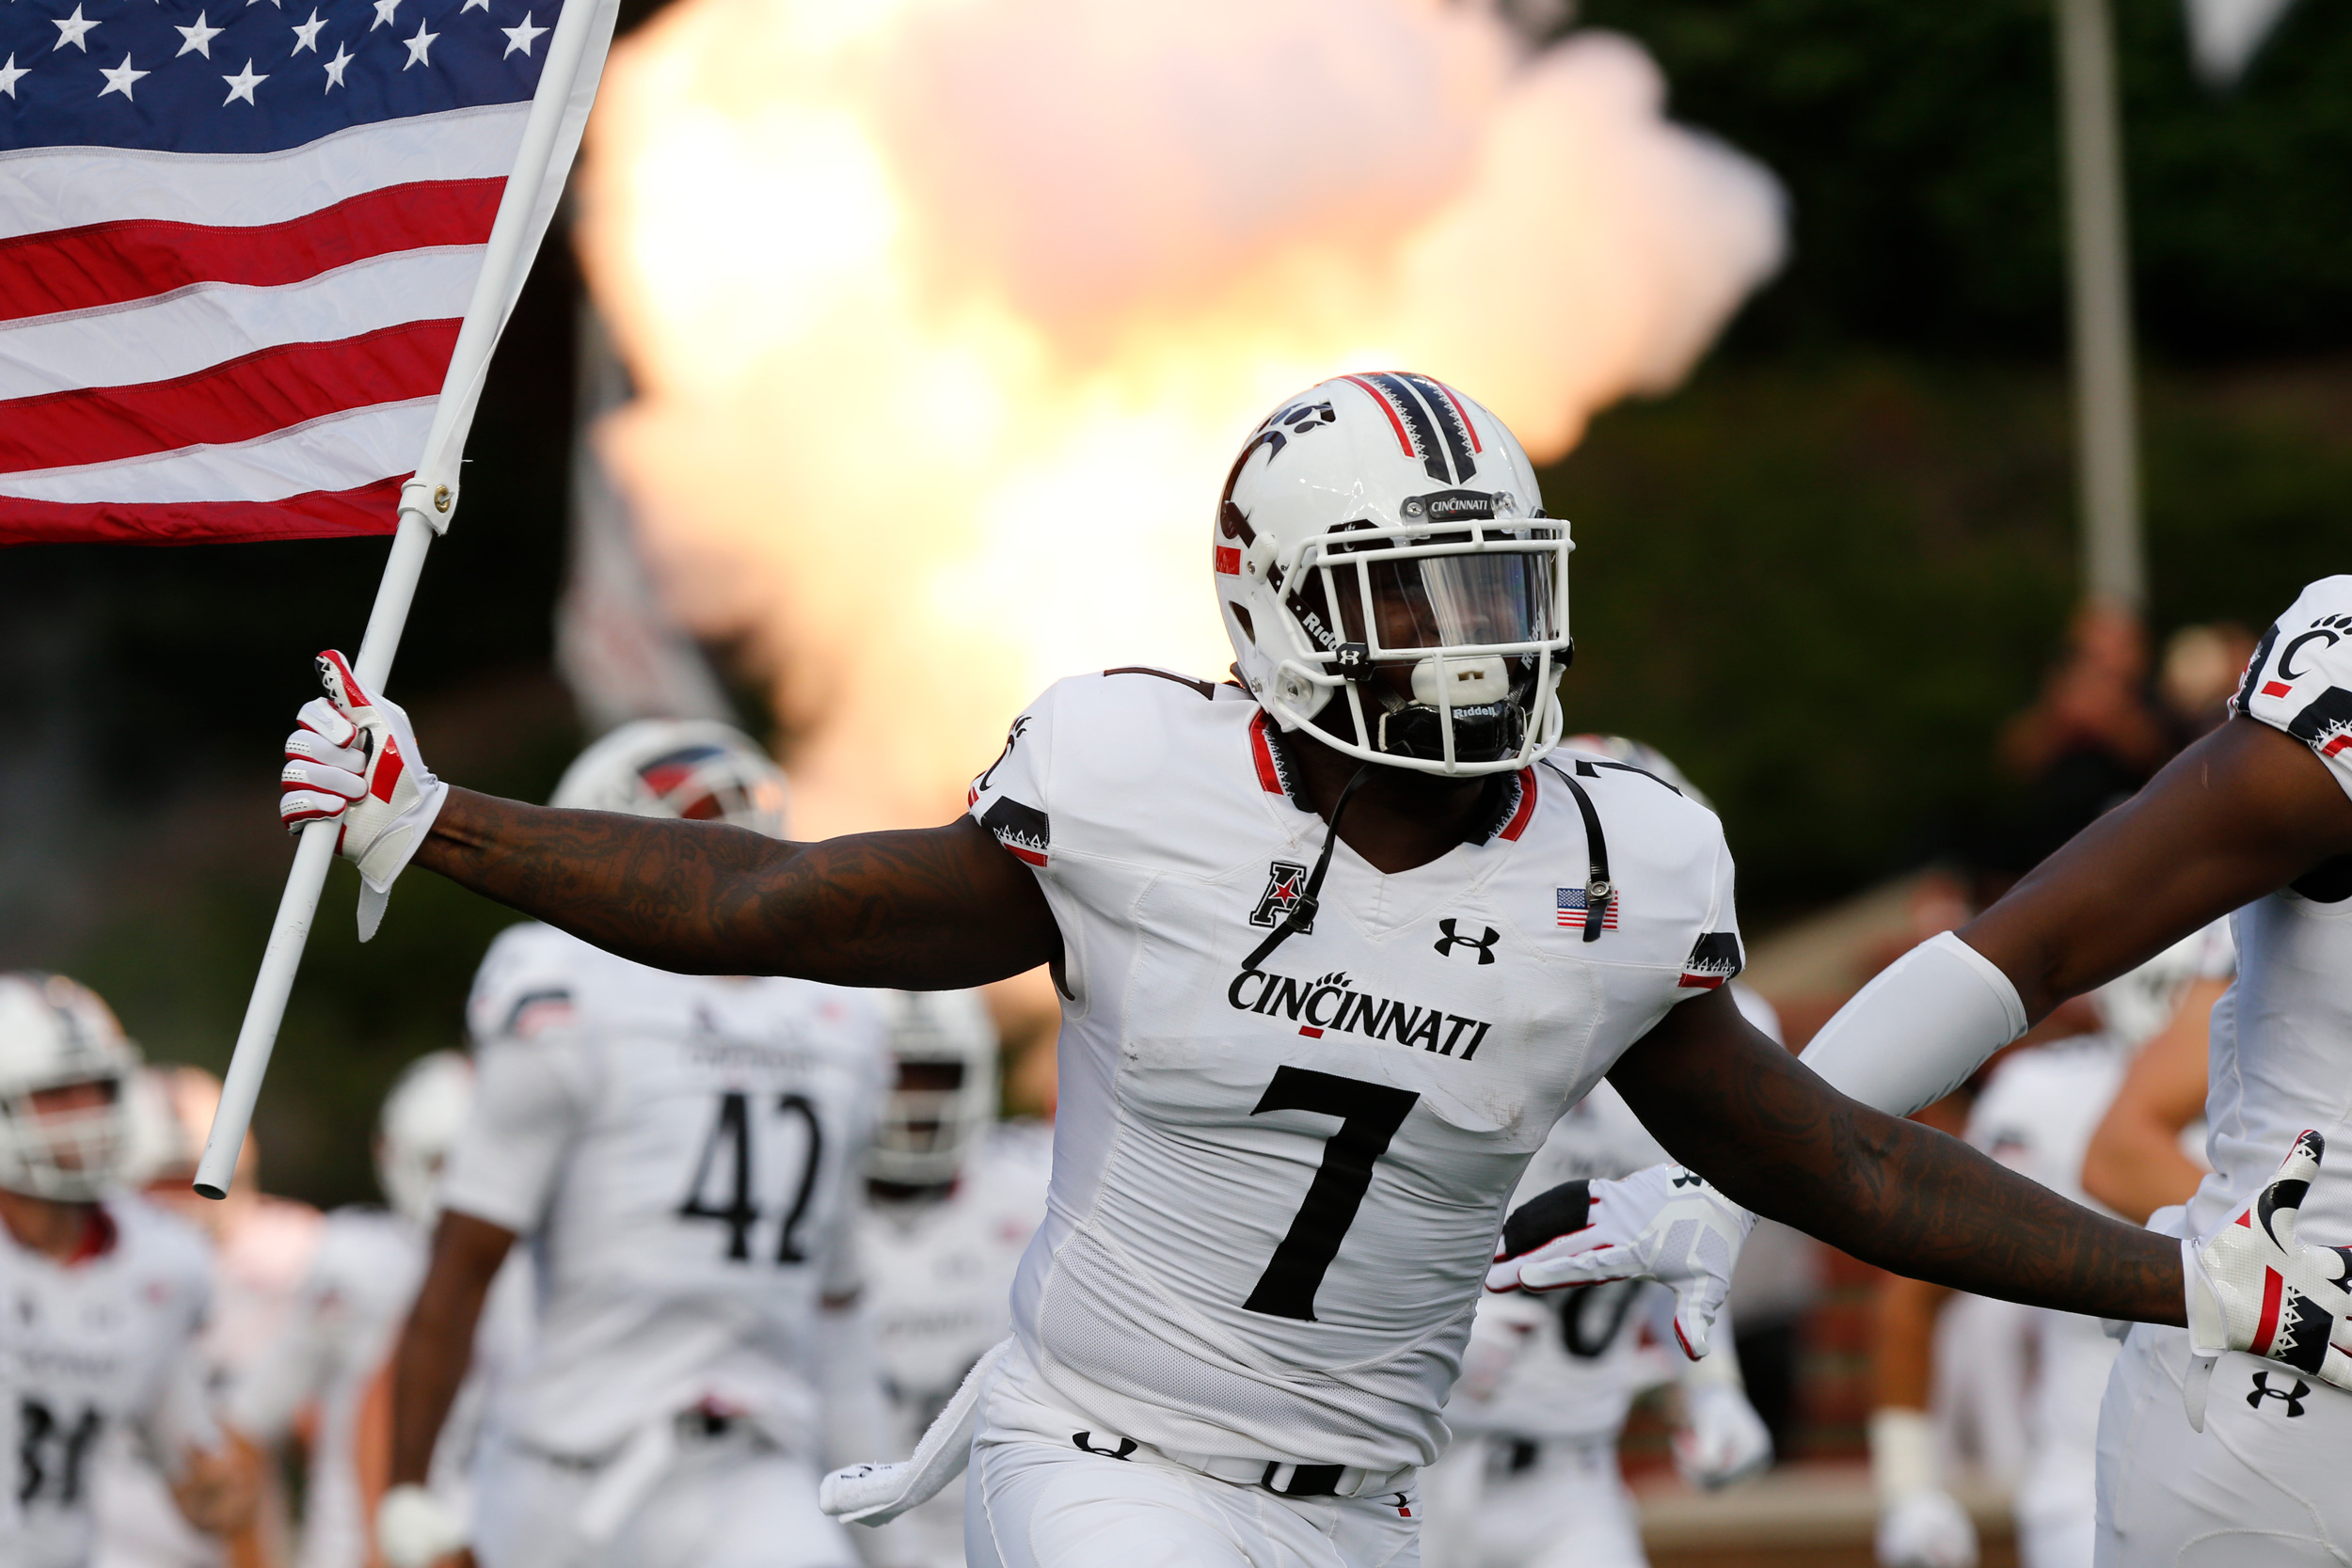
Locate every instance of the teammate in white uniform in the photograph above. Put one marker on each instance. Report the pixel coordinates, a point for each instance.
(2036, 1116)
(102, 1296)
(1533, 1478)
(2254, 818)
(953, 1198)
(681, 1153)
(1297, 1085)
(334, 1353)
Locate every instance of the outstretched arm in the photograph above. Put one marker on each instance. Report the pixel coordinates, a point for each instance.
(2240, 814)
(1744, 1113)
(929, 909)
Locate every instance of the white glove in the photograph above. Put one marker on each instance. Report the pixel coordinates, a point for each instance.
(2252, 1286)
(1926, 1530)
(354, 760)
(1722, 1439)
(1665, 1222)
(877, 1494)
(413, 1527)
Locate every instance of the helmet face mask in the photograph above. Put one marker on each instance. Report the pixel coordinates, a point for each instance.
(944, 1097)
(64, 1070)
(1399, 624)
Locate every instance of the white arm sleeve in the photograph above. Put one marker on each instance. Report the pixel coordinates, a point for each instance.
(1915, 1034)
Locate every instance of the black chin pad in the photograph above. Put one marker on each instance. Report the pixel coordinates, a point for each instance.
(1487, 733)
(1547, 1216)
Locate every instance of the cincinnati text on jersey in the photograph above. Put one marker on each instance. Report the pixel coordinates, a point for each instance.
(1329, 1003)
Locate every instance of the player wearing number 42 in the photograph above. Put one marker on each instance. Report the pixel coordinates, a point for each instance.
(682, 1156)
(1293, 1107)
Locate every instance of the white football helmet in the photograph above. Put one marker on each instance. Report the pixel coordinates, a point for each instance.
(415, 1128)
(693, 769)
(1637, 753)
(945, 1094)
(1389, 581)
(57, 1035)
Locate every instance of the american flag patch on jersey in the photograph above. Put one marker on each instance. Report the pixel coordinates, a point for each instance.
(1572, 910)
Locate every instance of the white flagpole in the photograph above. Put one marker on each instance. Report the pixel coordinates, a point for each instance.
(426, 502)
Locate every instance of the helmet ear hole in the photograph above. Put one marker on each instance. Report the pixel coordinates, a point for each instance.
(1243, 616)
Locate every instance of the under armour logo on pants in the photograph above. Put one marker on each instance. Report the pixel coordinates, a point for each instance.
(2262, 1391)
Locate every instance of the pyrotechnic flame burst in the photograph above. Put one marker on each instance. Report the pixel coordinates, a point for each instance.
(949, 314)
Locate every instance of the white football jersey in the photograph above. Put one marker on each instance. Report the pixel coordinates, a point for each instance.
(682, 1152)
(1276, 1191)
(938, 1293)
(1577, 1358)
(2283, 1033)
(102, 1344)
(335, 1346)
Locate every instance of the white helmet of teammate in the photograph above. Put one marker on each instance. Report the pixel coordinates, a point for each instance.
(693, 769)
(1637, 753)
(945, 1095)
(57, 1035)
(1389, 581)
(415, 1128)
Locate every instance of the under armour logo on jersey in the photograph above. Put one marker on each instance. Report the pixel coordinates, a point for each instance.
(1452, 939)
(1285, 884)
(1689, 1178)
(1126, 1446)
(2262, 1391)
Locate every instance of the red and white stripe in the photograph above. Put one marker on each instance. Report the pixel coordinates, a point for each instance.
(235, 346)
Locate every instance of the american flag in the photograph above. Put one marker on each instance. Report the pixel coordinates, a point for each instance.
(1571, 910)
(237, 241)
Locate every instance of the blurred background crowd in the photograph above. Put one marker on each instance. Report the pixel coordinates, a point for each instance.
(1832, 567)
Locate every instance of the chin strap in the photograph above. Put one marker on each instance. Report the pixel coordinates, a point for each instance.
(1303, 912)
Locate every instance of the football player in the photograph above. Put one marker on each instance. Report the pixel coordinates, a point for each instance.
(102, 1295)
(954, 1196)
(332, 1357)
(2252, 822)
(1297, 1085)
(1533, 1478)
(681, 1153)
(2036, 1116)
(262, 1248)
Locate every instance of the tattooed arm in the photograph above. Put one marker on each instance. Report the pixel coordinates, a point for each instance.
(931, 909)
(1751, 1118)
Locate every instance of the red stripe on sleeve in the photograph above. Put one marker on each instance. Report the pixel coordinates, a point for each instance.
(240, 400)
(319, 515)
(113, 264)
(1404, 443)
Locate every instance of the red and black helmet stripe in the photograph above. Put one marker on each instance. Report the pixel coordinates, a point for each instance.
(1452, 422)
(1417, 428)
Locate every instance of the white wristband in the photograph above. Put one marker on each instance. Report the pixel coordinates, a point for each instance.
(1915, 1034)
(1902, 1454)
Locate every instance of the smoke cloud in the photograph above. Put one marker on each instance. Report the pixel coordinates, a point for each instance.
(948, 315)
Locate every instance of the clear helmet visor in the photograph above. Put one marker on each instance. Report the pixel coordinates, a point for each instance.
(1495, 598)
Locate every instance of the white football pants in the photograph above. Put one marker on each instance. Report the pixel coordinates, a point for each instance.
(2268, 1482)
(1566, 1507)
(1040, 1493)
(724, 1502)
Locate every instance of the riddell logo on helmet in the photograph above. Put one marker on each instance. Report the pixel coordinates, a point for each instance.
(1446, 506)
